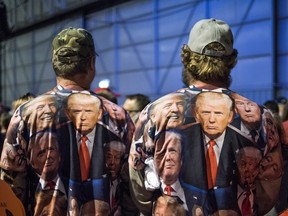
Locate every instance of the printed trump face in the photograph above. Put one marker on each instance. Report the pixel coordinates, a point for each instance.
(247, 160)
(168, 112)
(84, 111)
(170, 163)
(114, 152)
(249, 112)
(45, 156)
(214, 112)
(41, 112)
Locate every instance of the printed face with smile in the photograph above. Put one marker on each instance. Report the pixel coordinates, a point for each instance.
(41, 112)
(169, 111)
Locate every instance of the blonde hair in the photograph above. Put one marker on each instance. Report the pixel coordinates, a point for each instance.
(21, 100)
(171, 203)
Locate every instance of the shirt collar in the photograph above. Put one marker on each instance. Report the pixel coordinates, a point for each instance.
(90, 135)
(218, 140)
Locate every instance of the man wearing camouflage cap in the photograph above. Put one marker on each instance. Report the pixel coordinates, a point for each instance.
(74, 59)
(82, 174)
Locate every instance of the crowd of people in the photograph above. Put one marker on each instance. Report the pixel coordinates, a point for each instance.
(201, 150)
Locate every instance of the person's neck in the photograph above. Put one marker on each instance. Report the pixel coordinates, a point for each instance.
(208, 86)
(69, 84)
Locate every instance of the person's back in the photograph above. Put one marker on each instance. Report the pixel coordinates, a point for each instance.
(208, 59)
(53, 156)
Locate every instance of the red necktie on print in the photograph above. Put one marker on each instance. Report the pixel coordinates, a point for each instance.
(246, 205)
(84, 158)
(169, 190)
(50, 185)
(211, 164)
(114, 202)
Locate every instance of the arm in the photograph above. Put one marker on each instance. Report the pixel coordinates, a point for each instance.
(13, 158)
(268, 181)
(142, 198)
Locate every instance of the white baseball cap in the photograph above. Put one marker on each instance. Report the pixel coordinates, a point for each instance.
(211, 30)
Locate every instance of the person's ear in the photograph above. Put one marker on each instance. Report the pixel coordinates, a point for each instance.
(196, 115)
(92, 63)
(100, 114)
(231, 116)
(68, 113)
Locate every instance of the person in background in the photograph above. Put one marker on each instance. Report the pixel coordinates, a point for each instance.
(134, 104)
(24, 98)
(283, 108)
(273, 106)
(5, 118)
(73, 61)
(208, 59)
(108, 94)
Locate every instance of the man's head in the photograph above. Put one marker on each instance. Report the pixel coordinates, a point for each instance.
(214, 111)
(114, 153)
(74, 54)
(209, 55)
(134, 104)
(247, 160)
(84, 110)
(44, 154)
(249, 112)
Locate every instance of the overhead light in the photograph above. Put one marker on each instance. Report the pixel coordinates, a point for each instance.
(105, 83)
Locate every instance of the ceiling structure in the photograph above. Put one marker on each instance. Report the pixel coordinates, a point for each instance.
(139, 43)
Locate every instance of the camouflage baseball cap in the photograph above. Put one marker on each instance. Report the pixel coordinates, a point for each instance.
(72, 45)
